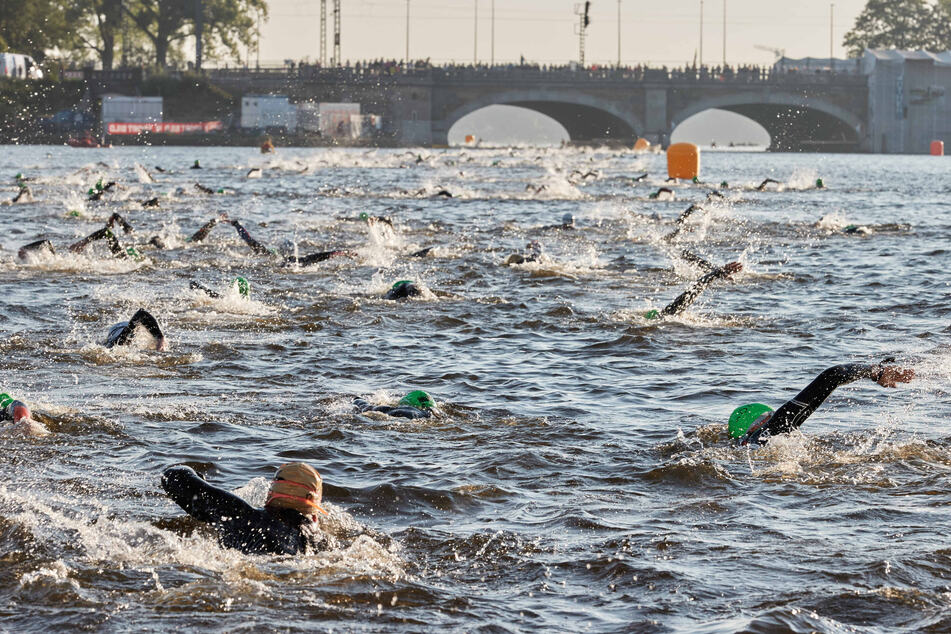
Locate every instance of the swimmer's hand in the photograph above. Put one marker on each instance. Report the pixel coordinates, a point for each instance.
(892, 375)
(731, 268)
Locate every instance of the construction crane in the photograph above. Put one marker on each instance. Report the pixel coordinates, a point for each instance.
(582, 11)
(336, 60)
(778, 52)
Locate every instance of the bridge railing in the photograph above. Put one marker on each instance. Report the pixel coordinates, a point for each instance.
(392, 72)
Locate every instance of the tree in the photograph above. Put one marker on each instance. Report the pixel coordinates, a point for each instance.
(901, 24)
(227, 24)
(34, 26)
(98, 25)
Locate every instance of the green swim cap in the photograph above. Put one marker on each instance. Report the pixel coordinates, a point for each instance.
(244, 287)
(91, 191)
(696, 179)
(5, 399)
(819, 183)
(133, 253)
(73, 214)
(724, 184)
(99, 184)
(221, 191)
(19, 176)
(652, 314)
(364, 216)
(744, 416)
(418, 399)
(396, 285)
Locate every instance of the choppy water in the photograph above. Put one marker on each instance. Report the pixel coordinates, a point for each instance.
(578, 476)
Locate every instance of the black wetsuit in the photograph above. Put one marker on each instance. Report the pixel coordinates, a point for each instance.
(403, 291)
(681, 220)
(80, 245)
(690, 295)
(400, 411)
(795, 412)
(122, 333)
(238, 524)
(260, 249)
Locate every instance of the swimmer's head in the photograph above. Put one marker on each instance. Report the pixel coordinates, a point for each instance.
(652, 314)
(296, 486)
(724, 185)
(364, 216)
(196, 163)
(16, 410)
(819, 183)
(398, 285)
(747, 416)
(418, 399)
(568, 220)
(244, 287)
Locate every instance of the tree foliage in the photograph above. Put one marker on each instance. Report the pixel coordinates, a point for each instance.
(34, 26)
(901, 24)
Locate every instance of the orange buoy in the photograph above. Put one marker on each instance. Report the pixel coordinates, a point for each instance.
(470, 138)
(937, 148)
(642, 145)
(683, 161)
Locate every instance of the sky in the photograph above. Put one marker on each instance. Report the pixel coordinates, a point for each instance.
(659, 33)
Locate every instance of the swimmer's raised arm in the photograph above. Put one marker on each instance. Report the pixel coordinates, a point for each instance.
(689, 296)
(795, 412)
(256, 246)
(102, 234)
(201, 500)
(206, 228)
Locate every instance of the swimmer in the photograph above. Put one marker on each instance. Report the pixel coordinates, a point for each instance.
(46, 247)
(533, 251)
(203, 189)
(371, 220)
(755, 423)
(19, 417)
(666, 192)
(416, 404)
(681, 220)
(242, 285)
(287, 525)
(206, 228)
(421, 253)
(768, 181)
(404, 289)
(536, 189)
(123, 333)
(820, 184)
(260, 249)
(196, 165)
(152, 203)
(254, 172)
(639, 177)
(689, 296)
(567, 223)
(25, 195)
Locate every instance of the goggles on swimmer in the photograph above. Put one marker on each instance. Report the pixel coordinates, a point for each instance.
(748, 417)
(418, 399)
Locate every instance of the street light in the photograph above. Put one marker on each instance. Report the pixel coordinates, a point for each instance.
(407, 34)
(618, 33)
(475, 34)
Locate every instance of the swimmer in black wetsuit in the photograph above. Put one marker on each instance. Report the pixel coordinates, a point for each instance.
(567, 224)
(681, 220)
(768, 181)
(24, 195)
(19, 418)
(285, 526)
(123, 333)
(45, 246)
(533, 251)
(242, 285)
(260, 249)
(404, 289)
(662, 191)
(755, 423)
(688, 297)
(416, 404)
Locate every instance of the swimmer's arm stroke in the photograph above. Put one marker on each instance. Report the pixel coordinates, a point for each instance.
(201, 500)
(794, 413)
(689, 296)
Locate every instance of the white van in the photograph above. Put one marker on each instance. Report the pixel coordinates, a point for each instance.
(19, 66)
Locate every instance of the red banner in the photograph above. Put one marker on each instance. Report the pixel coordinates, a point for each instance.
(164, 128)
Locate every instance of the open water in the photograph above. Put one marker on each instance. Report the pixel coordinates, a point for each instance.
(578, 476)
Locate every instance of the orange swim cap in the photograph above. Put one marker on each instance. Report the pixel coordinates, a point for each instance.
(296, 486)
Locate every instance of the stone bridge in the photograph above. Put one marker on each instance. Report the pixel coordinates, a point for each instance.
(801, 111)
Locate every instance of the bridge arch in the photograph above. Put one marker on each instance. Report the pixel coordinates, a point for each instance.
(585, 117)
(794, 122)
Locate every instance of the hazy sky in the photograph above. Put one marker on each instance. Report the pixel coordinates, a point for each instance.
(544, 30)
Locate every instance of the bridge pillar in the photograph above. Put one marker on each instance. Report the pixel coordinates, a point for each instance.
(655, 115)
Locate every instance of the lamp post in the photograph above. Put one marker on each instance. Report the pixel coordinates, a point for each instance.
(475, 34)
(407, 34)
(701, 33)
(618, 33)
(724, 34)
